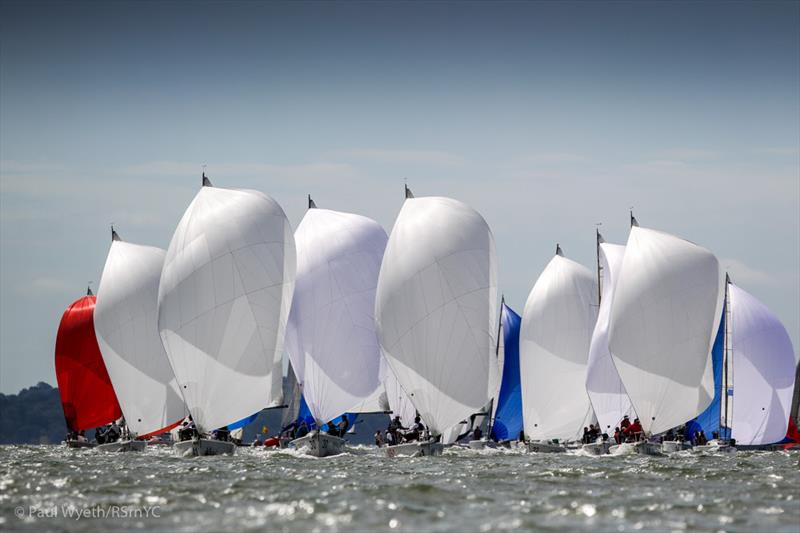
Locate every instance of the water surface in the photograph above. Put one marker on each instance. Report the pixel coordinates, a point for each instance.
(465, 490)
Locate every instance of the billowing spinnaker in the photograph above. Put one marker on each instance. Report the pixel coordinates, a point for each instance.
(436, 308)
(556, 329)
(763, 371)
(399, 402)
(508, 407)
(126, 322)
(664, 315)
(606, 392)
(87, 396)
(224, 299)
(331, 336)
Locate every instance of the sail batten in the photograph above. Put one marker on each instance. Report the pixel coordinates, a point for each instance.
(436, 309)
(224, 299)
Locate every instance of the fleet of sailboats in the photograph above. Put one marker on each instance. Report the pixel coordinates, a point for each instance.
(192, 339)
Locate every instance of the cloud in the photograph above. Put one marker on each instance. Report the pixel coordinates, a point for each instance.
(791, 151)
(688, 154)
(747, 275)
(429, 157)
(49, 285)
(230, 172)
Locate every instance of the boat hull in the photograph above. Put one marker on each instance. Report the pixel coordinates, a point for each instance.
(123, 446)
(481, 444)
(79, 444)
(546, 447)
(596, 448)
(319, 445)
(626, 448)
(203, 447)
(649, 448)
(415, 449)
(672, 446)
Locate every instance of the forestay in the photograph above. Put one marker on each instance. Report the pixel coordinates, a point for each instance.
(126, 322)
(436, 308)
(763, 371)
(556, 329)
(606, 392)
(331, 336)
(664, 316)
(224, 299)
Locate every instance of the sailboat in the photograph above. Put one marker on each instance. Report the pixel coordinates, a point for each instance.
(753, 361)
(507, 420)
(330, 336)
(666, 306)
(556, 330)
(87, 396)
(607, 394)
(126, 323)
(223, 302)
(436, 313)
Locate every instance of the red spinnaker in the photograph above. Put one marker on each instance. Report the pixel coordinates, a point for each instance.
(87, 397)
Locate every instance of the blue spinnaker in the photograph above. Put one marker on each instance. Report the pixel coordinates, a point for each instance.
(243, 422)
(508, 416)
(709, 420)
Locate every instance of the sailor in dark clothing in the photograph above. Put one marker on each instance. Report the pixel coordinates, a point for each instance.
(395, 426)
(477, 434)
(416, 430)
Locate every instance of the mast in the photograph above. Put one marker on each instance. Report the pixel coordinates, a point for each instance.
(726, 356)
(496, 355)
(206, 181)
(599, 268)
(311, 204)
(409, 194)
(634, 222)
(558, 250)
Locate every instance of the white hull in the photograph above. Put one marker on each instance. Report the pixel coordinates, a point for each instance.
(79, 444)
(481, 444)
(546, 447)
(415, 449)
(203, 447)
(596, 448)
(319, 444)
(714, 446)
(626, 448)
(672, 446)
(123, 446)
(648, 448)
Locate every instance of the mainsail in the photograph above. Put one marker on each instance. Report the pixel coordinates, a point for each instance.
(126, 322)
(331, 336)
(224, 299)
(87, 397)
(556, 329)
(763, 371)
(436, 308)
(606, 392)
(664, 316)
(507, 421)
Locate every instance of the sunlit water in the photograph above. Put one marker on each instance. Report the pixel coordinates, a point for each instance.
(45, 487)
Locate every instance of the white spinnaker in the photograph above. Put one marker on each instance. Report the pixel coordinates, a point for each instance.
(331, 336)
(664, 316)
(126, 325)
(763, 371)
(436, 308)
(556, 329)
(606, 392)
(225, 294)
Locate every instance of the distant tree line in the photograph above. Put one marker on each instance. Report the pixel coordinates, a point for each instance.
(33, 416)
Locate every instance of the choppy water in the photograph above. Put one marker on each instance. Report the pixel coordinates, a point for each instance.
(464, 490)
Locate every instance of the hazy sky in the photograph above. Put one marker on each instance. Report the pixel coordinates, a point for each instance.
(546, 117)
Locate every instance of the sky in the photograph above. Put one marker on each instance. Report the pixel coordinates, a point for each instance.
(546, 117)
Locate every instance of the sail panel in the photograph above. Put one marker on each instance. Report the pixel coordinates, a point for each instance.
(87, 396)
(508, 409)
(606, 392)
(664, 316)
(436, 308)
(556, 329)
(763, 371)
(331, 336)
(224, 299)
(126, 322)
